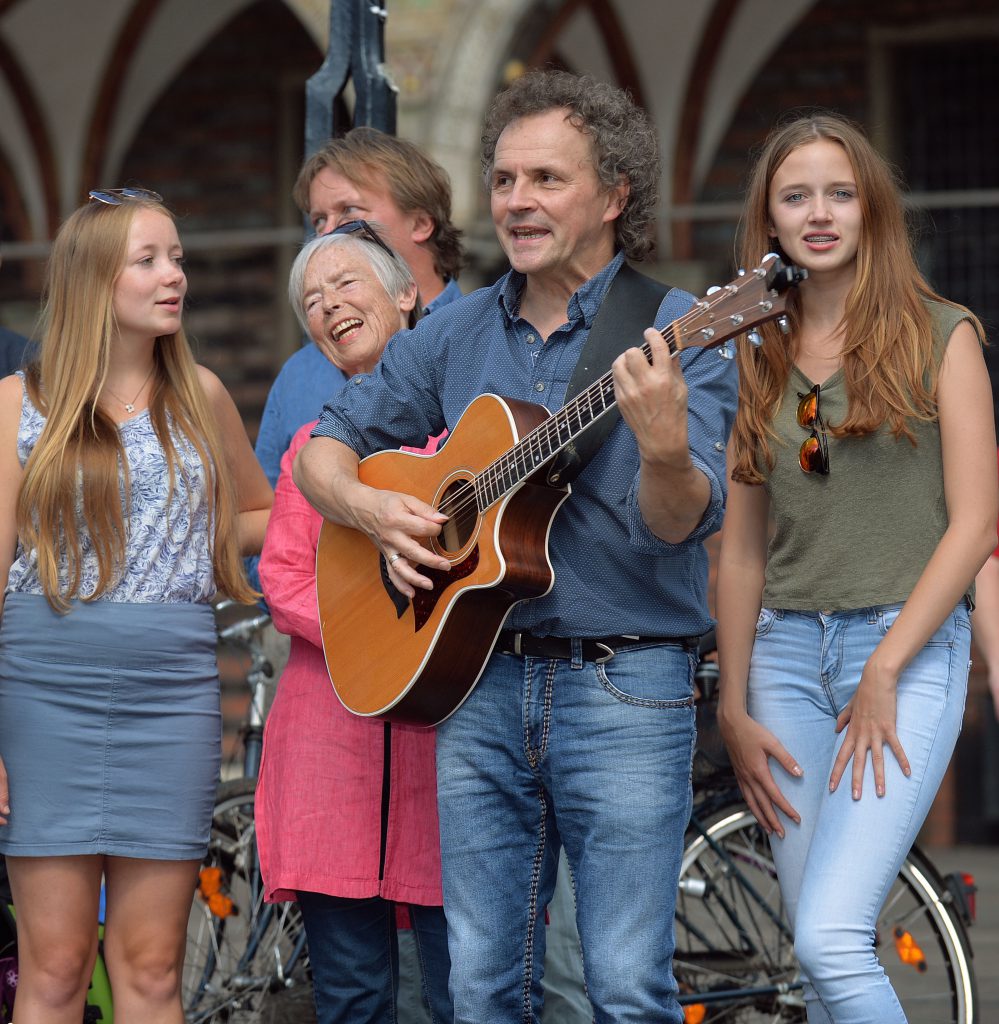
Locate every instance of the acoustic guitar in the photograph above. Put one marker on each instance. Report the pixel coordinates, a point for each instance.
(416, 661)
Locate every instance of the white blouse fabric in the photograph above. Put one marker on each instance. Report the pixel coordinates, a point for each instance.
(168, 549)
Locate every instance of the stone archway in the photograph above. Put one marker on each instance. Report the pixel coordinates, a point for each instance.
(477, 49)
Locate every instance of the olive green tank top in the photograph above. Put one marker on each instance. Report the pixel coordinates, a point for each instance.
(862, 535)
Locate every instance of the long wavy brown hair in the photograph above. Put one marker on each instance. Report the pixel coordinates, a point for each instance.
(888, 360)
(79, 459)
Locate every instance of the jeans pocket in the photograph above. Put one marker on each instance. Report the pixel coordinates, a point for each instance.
(651, 677)
(944, 636)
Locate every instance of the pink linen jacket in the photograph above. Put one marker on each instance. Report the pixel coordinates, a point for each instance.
(319, 797)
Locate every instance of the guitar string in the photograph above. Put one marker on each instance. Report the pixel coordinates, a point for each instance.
(498, 473)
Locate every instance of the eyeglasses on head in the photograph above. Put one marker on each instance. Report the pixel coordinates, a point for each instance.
(117, 196)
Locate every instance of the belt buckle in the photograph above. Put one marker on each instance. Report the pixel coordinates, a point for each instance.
(610, 653)
(516, 644)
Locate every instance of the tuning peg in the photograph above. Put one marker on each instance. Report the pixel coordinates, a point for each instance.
(727, 351)
(714, 288)
(784, 324)
(754, 339)
(742, 272)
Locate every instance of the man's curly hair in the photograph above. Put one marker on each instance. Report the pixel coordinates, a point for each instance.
(624, 141)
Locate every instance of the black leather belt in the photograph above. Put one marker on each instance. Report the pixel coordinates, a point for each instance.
(593, 648)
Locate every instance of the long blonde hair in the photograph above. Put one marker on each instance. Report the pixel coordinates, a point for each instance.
(79, 456)
(888, 360)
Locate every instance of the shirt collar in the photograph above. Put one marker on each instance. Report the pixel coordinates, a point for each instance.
(584, 303)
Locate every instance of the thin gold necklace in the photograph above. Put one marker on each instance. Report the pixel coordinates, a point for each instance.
(130, 406)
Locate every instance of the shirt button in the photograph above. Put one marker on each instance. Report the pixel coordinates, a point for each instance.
(719, 447)
(540, 386)
(531, 339)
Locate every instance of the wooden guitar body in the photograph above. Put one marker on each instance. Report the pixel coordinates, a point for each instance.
(416, 662)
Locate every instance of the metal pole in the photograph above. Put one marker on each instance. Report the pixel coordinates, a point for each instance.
(376, 95)
(356, 51)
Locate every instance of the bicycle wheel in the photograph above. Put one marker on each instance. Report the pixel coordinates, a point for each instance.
(246, 960)
(734, 954)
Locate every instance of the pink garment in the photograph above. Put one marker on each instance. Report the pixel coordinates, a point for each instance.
(319, 798)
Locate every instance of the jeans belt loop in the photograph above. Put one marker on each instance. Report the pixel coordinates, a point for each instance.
(576, 649)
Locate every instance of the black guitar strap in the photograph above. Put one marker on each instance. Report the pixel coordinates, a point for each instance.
(630, 305)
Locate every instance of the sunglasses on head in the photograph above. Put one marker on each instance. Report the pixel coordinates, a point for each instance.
(117, 196)
(813, 456)
(363, 229)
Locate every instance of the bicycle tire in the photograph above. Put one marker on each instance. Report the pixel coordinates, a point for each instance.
(734, 956)
(246, 962)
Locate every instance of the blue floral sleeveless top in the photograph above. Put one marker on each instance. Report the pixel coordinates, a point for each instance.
(168, 550)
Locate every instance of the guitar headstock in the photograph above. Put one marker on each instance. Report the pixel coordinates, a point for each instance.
(753, 298)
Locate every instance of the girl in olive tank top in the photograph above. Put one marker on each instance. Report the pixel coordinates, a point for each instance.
(862, 502)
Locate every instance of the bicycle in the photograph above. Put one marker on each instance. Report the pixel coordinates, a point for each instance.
(734, 958)
(246, 960)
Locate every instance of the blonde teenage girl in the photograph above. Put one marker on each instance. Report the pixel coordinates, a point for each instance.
(128, 493)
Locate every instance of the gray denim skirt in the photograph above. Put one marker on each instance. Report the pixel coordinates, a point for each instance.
(110, 728)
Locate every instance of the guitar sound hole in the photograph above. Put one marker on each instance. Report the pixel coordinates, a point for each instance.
(463, 511)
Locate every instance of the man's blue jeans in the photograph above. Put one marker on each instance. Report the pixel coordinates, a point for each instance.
(593, 756)
(836, 867)
(355, 958)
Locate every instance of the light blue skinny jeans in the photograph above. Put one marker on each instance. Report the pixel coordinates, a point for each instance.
(837, 866)
(547, 752)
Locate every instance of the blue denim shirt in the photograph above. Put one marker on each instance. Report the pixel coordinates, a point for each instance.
(612, 574)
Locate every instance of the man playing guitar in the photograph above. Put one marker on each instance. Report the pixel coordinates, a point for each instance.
(581, 727)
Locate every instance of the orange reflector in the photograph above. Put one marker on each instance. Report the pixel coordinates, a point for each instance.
(695, 1013)
(909, 951)
(969, 894)
(210, 889)
(220, 904)
(209, 881)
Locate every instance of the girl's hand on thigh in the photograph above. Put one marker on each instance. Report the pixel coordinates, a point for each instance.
(869, 720)
(750, 747)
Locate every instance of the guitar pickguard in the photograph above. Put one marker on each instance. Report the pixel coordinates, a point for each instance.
(426, 600)
(396, 596)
